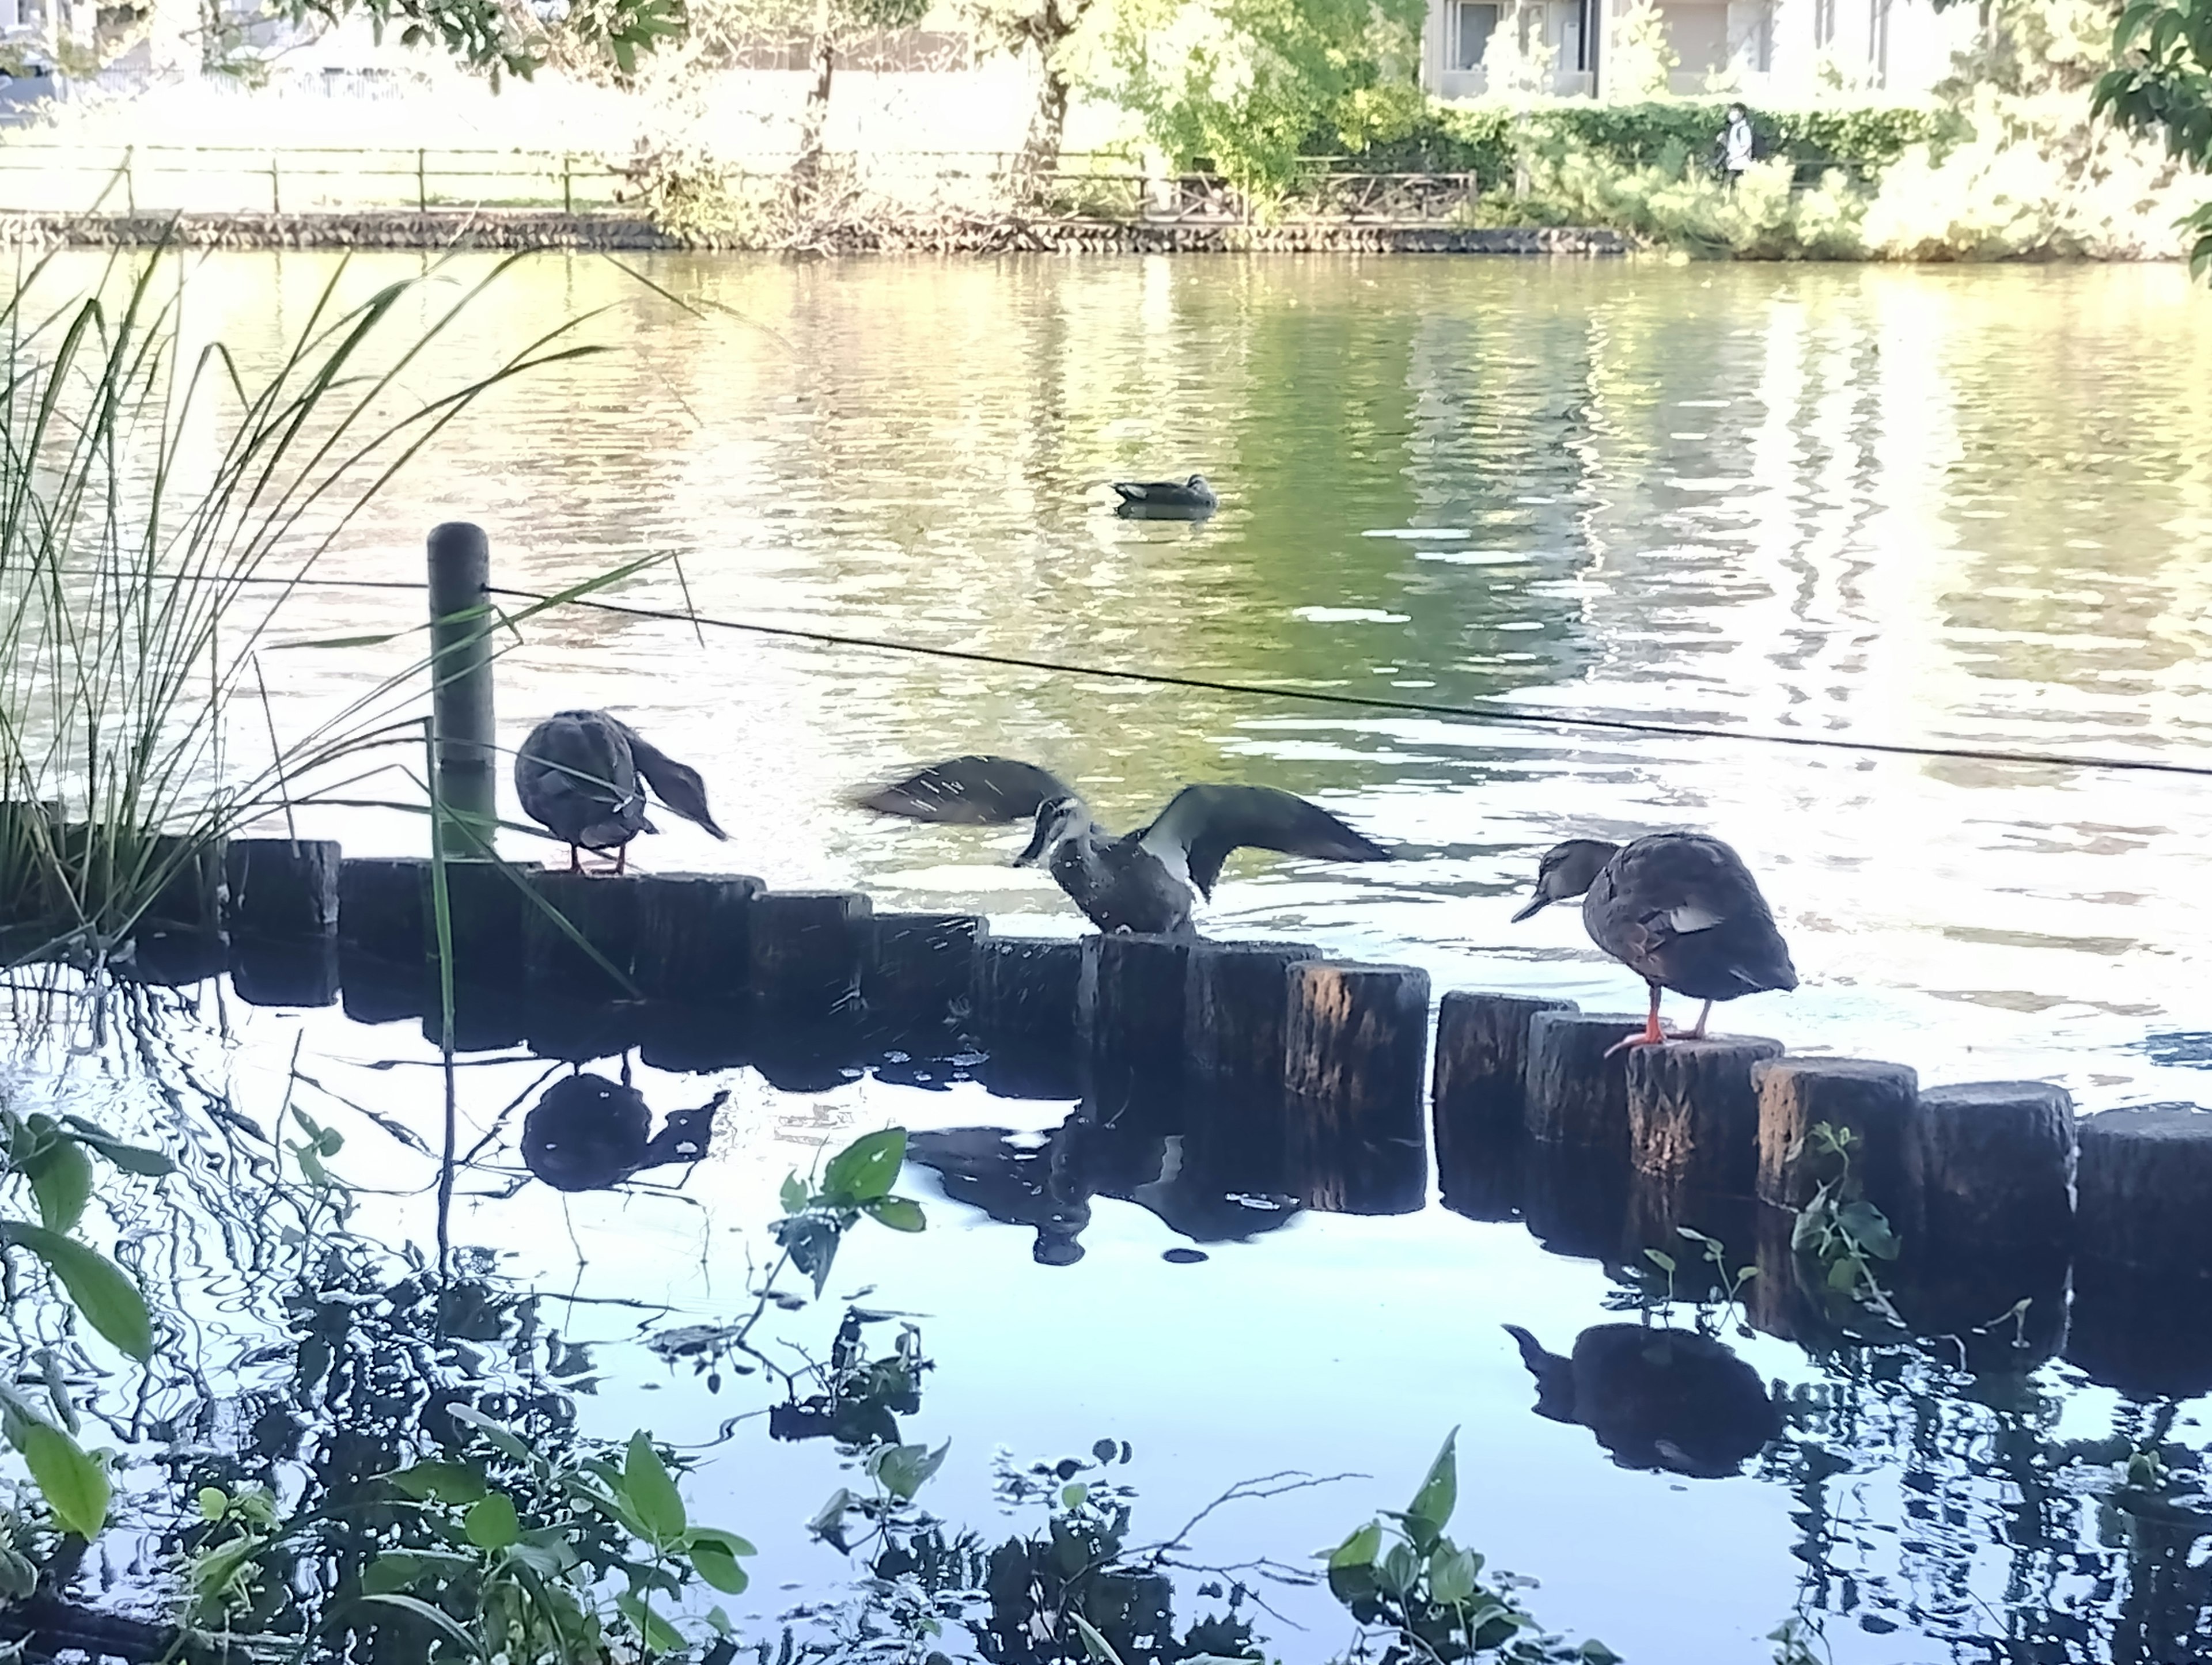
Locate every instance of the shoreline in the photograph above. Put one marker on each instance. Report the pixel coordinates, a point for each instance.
(438, 229)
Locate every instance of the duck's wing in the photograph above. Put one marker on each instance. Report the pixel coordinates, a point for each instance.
(575, 773)
(1146, 491)
(1690, 892)
(677, 785)
(973, 791)
(1202, 825)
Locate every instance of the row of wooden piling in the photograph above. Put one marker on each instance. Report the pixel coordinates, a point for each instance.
(1318, 1066)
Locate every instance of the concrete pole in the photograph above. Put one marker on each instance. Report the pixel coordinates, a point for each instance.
(460, 662)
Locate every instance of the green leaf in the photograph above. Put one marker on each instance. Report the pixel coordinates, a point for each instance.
(110, 1301)
(1360, 1549)
(1100, 1649)
(793, 1194)
(1399, 1568)
(395, 1570)
(451, 1483)
(901, 1470)
(61, 1184)
(428, 1615)
(469, 1417)
(900, 1213)
(214, 1503)
(70, 1480)
(492, 1523)
(866, 1169)
(1870, 1228)
(661, 1636)
(1072, 1497)
(713, 1537)
(1844, 1276)
(1439, 1494)
(1660, 1259)
(811, 1243)
(1452, 1575)
(719, 1570)
(651, 1495)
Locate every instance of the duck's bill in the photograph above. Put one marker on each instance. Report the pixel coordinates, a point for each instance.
(1536, 905)
(1034, 853)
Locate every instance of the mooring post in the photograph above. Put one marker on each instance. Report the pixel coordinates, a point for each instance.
(694, 937)
(460, 677)
(1876, 1102)
(920, 968)
(283, 888)
(1693, 1113)
(1578, 1090)
(1237, 1009)
(1997, 1170)
(1129, 1001)
(380, 908)
(1354, 1054)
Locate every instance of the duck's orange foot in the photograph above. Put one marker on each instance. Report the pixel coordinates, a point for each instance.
(1653, 1037)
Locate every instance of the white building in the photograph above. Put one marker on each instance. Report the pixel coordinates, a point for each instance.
(1776, 50)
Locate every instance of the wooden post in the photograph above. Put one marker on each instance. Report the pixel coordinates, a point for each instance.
(1025, 989)
(282, 889)
(568, 186)
(1353, 1056)
(1876, 1100)
(190, 899)
(805, 949)
(381, 903)
(694, 942)
(2145, 1190)
(422, 181)
(603, 909)
(1693, 1113)
(1237, 1008)
(1577, 1094)
(460, 678)
(484, 906)
(1129, 1001)
(1997, 1172)
(921, 967)
(1480, 1094)
(275, 187)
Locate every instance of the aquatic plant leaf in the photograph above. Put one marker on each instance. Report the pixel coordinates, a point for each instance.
(659, 1635)
(394, 1570)
(1594, 1652)
(69, 1478)
(130, 1158)
(1870, 1228)
(811, 1243)
(428, 1615)
(865, 1170)
(719, 1569)
(61, 1184)
(713, 1537)
(1399, 1568)
(900, 1213)
(214, 1502)
(110, 1301)
(903, 1469)
(1094, 1644)
(452, 1483)
(469, 1417)
(1360, 1549)
(1452, 1575)
(792, 1195)
(1433, 1503)
(651, 1494)
(831, 1515)
(491, 1522)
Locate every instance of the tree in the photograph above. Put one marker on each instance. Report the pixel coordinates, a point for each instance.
(2164, 83)
(515, 38)
(1047, 28)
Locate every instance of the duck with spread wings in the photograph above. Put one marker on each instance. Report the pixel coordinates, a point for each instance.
(1143, 881)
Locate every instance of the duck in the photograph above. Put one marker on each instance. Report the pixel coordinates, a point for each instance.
(1166, 500)
(578, 773)
(1680, 909)
(1146, 881)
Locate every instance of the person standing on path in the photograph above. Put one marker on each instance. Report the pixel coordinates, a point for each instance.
(1736, 145)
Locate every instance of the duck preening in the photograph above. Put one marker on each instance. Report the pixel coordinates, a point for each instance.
(1677, 908)
(579, 774)
(1166, 500)
(1143, 881)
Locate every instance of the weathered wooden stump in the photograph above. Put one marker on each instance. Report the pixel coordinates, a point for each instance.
(694, 936)
(284, 973)
(281, 889)
(805, 949)
(1481, 1079)
(1353, 1058)
(1875, 1101)
(1693, 1113)
(2144, 1189)
(1237, 1009)
(191, 898)
(921, 967)
(1129, 1001)
(1997, 1170)
(484, 906)
(601, 908)
(1025, 991)
(381, 903)
(1577, 1094)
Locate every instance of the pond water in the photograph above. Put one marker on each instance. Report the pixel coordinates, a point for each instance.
(1958, 508)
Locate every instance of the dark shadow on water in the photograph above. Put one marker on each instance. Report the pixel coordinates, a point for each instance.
(1659, 1399)
(588, 1133)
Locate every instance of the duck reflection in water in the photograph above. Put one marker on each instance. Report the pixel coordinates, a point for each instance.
(588, 1133)
(1655, 1398)
(1046, 1181)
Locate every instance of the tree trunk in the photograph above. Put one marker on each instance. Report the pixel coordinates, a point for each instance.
(1049, 121)
(806, 172)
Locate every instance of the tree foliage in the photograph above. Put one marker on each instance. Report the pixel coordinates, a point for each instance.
(513, 38)
(2163, 83)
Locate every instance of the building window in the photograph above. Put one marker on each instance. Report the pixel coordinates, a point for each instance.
(1823, 23)
(1474, 22)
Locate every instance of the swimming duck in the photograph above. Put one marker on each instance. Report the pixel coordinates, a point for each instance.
(578, 773)
(1144, 881)
(1677, 908)
(1166, 500)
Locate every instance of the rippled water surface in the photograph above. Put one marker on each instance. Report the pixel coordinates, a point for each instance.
(1966, 508)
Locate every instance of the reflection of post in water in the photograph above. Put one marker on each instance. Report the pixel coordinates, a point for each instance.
(1047, 1182)
(1655, 1398)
